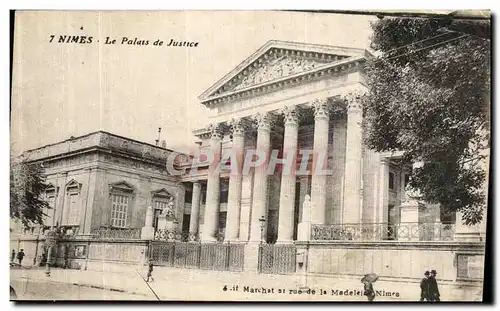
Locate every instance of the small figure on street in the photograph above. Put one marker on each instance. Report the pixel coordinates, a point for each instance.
(424, 287)
(20, 256)
(433, 287)
(66, 258)
(368, 281)
(150, 271)
(13, 255)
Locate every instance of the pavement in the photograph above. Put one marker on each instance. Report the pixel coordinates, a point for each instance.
(175, 284)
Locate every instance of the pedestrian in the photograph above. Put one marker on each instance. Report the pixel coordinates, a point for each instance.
(433, 287)
(150, 271)
(20, 256)
(424, 287)
(369, 291)
(13, 255)
(368, 280)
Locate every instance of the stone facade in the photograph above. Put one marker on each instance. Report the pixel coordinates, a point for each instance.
(95, 177)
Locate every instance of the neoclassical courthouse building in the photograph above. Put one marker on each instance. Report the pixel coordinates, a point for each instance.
(288, 97)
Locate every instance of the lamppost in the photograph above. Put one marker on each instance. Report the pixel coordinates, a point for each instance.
(262, 224)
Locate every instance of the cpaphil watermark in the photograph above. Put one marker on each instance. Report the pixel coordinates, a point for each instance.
(242, 163)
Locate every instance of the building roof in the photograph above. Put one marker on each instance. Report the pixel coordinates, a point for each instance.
(98, 139)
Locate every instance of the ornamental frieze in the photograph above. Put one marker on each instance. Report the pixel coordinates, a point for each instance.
(276, 64)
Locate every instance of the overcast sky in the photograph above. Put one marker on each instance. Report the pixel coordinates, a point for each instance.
(66, 89)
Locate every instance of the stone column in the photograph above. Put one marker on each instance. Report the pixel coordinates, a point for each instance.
(259, 198)
(320, 159)
(288, 179)
(211, 221)
(353, 174)
(195, 210)
(410, 214)
(148, 232)
(235, 182)
(383, 204)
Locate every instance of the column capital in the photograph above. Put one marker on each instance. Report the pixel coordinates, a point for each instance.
(291, 115)
(384, 161)
(238, 127)
(263, 121)
(215, 131)
(321, 108)
(354, 101)
(196, 183)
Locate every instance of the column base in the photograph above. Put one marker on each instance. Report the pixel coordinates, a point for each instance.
(409, 218)
(304, 231)
(251, 262)
(209, 240)
(147, 233)
(284, 242)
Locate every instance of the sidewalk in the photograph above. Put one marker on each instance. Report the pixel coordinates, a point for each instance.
(203, 285)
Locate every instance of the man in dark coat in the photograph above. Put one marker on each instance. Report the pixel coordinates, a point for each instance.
(424, 287)
(20, 256)
(12, 256)
(433, 287)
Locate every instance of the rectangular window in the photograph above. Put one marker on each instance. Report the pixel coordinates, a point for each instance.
(188, 197)
(391, 181)
(119, 208)
(73, 210)
(160, 205)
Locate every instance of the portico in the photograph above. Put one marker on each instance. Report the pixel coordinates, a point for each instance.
(297, 105)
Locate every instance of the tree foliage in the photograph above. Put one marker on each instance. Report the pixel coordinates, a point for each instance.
(429, 97)
(27, 189)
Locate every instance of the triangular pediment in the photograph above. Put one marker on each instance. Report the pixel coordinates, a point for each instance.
(161, 193)
(277, 60)
(121, 186)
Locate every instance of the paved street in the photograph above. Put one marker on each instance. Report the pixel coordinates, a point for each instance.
(36, 290)
(173, 284)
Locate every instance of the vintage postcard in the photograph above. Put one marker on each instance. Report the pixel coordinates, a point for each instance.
(249, 155)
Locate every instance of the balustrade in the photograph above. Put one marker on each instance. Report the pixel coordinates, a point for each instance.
(410, 231)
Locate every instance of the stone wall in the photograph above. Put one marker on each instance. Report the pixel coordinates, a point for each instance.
(403, 261)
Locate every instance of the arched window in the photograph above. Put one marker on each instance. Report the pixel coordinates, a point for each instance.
(121, 195)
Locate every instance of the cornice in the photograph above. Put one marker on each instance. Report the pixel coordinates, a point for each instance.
(295, 79)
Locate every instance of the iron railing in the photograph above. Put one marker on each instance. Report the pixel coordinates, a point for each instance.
(409, 231)
(116, 233)
(174, 235)
(211, 256)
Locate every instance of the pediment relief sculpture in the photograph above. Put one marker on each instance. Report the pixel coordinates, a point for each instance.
(276, 64)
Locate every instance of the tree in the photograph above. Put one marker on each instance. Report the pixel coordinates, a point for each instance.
(429, 97)
(27, 188)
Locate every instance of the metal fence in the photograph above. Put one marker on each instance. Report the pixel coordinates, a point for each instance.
(410, 231)
(277, 259)
(213, 256)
